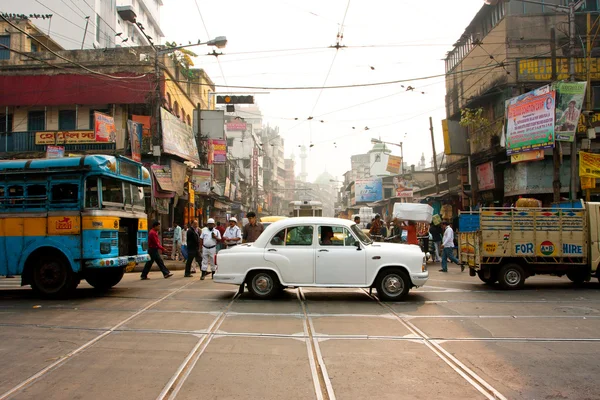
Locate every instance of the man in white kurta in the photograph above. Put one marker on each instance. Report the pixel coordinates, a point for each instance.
(209, 237)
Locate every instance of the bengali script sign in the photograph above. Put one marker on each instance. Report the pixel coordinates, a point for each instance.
(530, 124)
(69, 137)
(589, 165)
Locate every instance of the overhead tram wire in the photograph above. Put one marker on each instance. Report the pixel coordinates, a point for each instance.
(208, 36)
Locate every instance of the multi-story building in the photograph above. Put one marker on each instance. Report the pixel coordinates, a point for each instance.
(89, 24)
(274, 173)
(290, 180)
(506, 51)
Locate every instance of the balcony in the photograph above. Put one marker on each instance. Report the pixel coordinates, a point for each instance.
(24, 142)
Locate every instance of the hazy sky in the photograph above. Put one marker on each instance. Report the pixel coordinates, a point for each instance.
(285, 43)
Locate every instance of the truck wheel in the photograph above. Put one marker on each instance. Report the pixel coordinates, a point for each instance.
(578, 276)
(493, 278)
(104, 279)
(53, 277)
(511, 276)
(263, 285)
(392, 284)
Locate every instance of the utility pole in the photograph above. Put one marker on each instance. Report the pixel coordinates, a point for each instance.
(556, 149)
(572, 7)
(87, 21)
(435, 167)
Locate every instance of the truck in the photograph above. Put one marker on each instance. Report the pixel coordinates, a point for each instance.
(509, 245)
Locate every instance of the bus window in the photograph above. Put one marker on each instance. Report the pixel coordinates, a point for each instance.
(36, 196)
(1, 196)
(64, 194)
(112, 192)
(91, 193)
(137, 194)
(15, 196)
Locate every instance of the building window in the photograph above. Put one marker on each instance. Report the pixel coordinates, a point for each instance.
(34, 47)
(36, 121)
(176, 109)
(67, 120)
(6, 123)
(591, 5)
(387, 193)
(229, 142)
(5, 52)
(98, 28)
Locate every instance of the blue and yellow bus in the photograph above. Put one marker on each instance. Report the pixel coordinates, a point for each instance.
(67, 219)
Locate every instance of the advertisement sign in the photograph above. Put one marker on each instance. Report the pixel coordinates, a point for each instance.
(535, 155)
(178, 138)
(540, 69)
(104, 128)
(589, 165)
(233, 192)
(135, 139)
(534, 178)
(485, 176)
(217, 153)
(227, 191)
(163, 177)
(255, 166)
(55, 151)
(405, 193)
(569, 101)
(530, 124)
(201, 180)
(368, 190)
(69, 137)
(236, 126)
(178, 174)
(393, 165)
(145, 121)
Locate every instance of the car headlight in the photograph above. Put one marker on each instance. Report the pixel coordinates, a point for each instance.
(104, 248)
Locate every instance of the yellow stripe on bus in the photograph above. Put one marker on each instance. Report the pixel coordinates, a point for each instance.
(103, 223)
(40, 226)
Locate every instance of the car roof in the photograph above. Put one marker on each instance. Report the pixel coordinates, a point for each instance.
(275, 227)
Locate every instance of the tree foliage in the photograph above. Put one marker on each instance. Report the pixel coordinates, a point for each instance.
(182, 56)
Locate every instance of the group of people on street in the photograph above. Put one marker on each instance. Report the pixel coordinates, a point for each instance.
(200, 245)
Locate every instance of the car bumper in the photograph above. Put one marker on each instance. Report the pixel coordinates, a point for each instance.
(127, 261)
(420, 278)
(232, 279)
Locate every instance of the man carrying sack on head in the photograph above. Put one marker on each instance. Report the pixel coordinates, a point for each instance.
(208, 242)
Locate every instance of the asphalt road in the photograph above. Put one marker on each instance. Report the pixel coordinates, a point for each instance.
(183, 338)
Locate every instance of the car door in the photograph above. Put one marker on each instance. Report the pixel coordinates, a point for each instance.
(338, 260)
(292, 251)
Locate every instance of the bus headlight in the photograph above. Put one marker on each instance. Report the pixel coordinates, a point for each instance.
(104, 248)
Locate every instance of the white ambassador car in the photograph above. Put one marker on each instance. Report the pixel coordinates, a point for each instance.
(321, 252)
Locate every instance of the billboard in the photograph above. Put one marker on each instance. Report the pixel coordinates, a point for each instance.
(540, 69)
(104, 128)
(393, 165)
(135, 130)
(201, 180)
(530, 121)
(569, 101)
(485, 176)
(236, 126)
(217, 151)
(177, 138)
(368, 190)
(211, 124)
(68, 137)
(55, 151)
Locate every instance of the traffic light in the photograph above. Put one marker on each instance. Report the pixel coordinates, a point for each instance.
(235, 99)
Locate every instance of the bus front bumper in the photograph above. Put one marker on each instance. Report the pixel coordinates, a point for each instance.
(129, 262)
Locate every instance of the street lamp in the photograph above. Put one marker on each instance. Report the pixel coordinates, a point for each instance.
(375, 141)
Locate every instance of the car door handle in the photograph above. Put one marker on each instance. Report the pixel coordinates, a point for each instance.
(272, 250)
(324, 250)
(377, 258)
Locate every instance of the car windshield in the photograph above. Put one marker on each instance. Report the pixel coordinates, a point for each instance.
(360, 234)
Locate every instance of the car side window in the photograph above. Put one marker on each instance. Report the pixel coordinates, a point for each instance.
(279, 239)
(333, 235)
(299, 236)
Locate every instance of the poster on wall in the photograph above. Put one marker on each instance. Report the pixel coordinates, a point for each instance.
(55, 151)
(178, 138)
(485, 176)
(201, 180)
(104, 128)
(569, 101)
(217, 151)
(135, 139)
(368, 190)
(530, 121)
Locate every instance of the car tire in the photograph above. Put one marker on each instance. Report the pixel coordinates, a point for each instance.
(105, 278)
(264, 285)
(392, 284)
(488, 281)
(53, 277)
(511, 277)
(578, 277)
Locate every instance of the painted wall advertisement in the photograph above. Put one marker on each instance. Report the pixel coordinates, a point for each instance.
(104, 128)
(135, 130)
(217, 151)
(55, 151)
(569, 101)
(368, 190)
(530, 124)
(485, 176)
(178, 138)
(201, 180)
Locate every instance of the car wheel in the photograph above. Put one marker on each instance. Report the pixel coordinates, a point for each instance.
(53, 278)
(488, 281)
(511, 277)
(392, 284)
(105, 278)
(264, 285)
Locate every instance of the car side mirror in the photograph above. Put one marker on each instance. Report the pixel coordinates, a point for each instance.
(357, 244)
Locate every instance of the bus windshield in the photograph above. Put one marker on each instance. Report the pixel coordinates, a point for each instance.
(115, 194)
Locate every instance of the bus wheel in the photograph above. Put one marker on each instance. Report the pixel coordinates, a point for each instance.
(53, 277)
(511, 276)
(104, 279)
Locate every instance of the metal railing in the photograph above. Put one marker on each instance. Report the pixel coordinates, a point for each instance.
(18, 142)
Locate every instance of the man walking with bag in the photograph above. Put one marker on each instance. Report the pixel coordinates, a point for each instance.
(208, 240)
